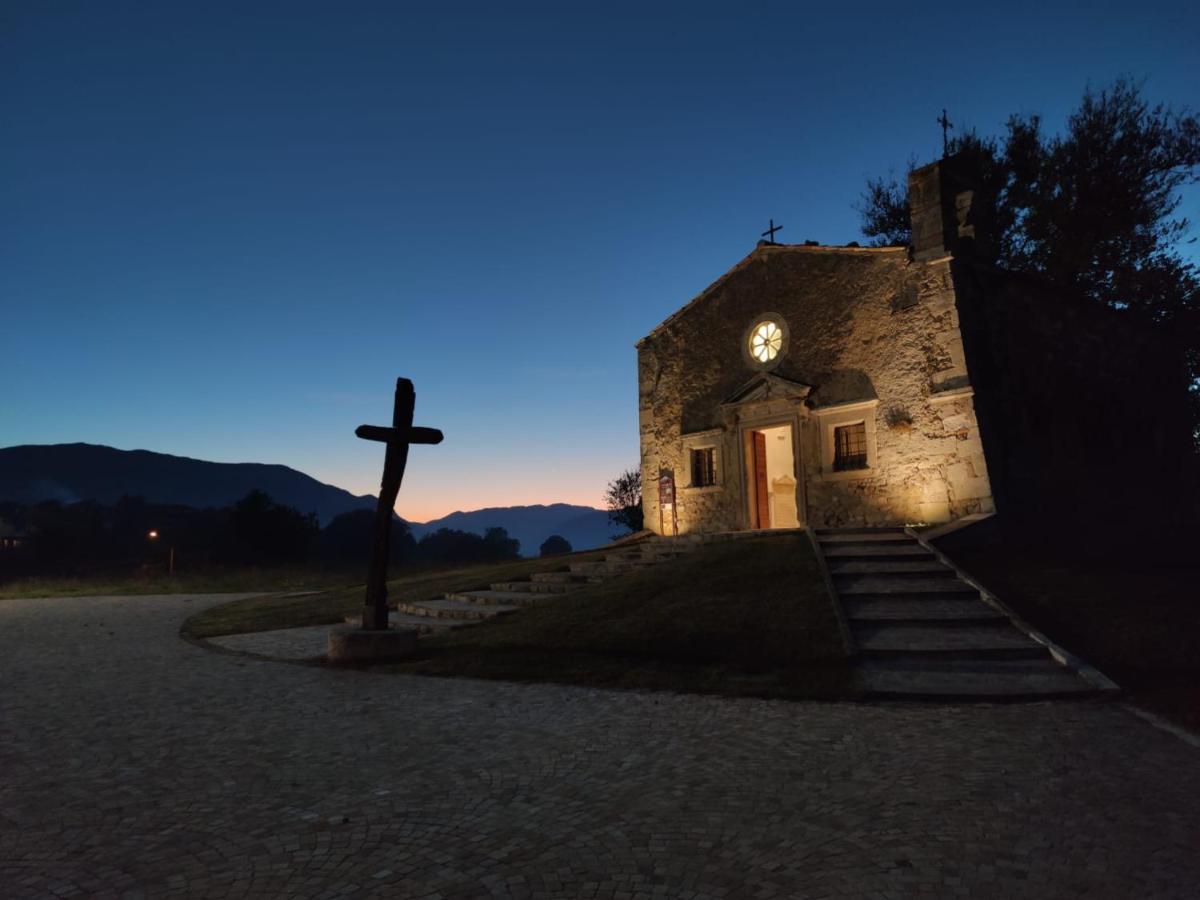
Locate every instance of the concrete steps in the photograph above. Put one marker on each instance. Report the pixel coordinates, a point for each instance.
(466, 607)
(959, 680)
(454, 609)
(909, 639)
(885, 585)
(567, 578)
(926, 610)
(889, 566)
(423, 624)
(886, 550)
(494, 598)
(870, 538)
(923, 632)
(531, 587)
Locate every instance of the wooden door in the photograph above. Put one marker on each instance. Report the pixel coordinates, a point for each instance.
(762, 504)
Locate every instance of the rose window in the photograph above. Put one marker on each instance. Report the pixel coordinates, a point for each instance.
(766, 340)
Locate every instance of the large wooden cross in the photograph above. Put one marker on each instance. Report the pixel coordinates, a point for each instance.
(397, 438)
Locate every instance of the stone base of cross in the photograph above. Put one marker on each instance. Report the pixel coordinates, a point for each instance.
(398, 437)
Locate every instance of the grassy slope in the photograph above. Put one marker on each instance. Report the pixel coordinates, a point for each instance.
(267, 613)
(1135, 616)
(750, 617)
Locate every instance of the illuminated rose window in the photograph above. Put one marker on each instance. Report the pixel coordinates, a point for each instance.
(766, 340)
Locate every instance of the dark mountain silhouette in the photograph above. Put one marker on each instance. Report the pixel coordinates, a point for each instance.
(72, 472)
(69, 473)
(583, 526)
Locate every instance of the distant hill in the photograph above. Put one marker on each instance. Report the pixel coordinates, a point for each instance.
(72, 472)
(584, 526)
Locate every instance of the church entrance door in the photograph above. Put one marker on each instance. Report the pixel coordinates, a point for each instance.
(761, 494)
(771, 475)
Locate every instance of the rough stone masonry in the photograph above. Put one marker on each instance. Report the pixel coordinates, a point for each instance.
(871, 357)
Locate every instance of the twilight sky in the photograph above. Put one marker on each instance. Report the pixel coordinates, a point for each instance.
(226, 228)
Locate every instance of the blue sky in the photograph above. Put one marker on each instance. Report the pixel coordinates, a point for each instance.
(227, 228)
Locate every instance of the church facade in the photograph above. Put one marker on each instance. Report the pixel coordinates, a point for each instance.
(818, 386)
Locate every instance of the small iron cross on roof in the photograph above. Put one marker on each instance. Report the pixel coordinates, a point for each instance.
(946, 124)
(397, 438)
(769, 234)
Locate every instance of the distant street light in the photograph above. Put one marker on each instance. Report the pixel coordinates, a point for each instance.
(152, 534)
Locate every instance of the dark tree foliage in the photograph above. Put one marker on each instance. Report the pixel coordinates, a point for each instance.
(350, 536)
(554, 545)
(623, 498)
(261, 530)
(1095, 208)
(451, 546)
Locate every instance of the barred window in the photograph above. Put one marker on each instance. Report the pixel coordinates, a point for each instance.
(850, 447)
(704, 470)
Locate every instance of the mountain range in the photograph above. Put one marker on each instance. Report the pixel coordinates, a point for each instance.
(583, 526)
(69, 473)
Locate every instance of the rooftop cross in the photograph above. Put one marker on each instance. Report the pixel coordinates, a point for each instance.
(397, 438)
(946, 126)
(769, 234)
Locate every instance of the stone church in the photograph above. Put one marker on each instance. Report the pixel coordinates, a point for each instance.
(836, 386)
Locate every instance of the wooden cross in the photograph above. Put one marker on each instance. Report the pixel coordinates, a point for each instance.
(946, 126)
(769, 234)
(397, 438)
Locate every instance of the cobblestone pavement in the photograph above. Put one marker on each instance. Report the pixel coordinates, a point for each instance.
(288, 643)
(135, 763)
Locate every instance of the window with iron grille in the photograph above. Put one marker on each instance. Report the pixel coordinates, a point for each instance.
(704, 470)
(850, 447)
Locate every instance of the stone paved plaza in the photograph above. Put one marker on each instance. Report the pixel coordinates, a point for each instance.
(133, 763)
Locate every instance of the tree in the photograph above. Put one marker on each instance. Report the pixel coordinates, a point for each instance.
(555, 545)
(498, 545)
(624, 499)
(349, 538)
(451, 546)
(261, 530)
(1094, 208)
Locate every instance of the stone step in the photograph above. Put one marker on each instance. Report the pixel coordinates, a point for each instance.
(896, 529)
(890, 567)
(534, 587)
(601, 568)
(875, 551)
(874, 537)
(849, 585)
(454, 609)
(966, 642)
(965, 680)
(503, 598)
(917, 596)
(423, 624)
(571, 577)
(930, 610)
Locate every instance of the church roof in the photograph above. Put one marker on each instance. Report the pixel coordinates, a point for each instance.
(762, 250)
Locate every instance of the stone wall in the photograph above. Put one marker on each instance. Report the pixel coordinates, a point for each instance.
(870, 335)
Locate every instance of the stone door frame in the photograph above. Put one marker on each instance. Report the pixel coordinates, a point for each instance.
(745, 424)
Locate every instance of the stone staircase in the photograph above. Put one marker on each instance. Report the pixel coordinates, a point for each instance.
(458, 608)
(922, 631)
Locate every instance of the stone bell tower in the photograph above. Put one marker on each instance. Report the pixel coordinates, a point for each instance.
(951, 216)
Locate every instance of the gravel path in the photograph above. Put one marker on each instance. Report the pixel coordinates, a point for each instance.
(135, 763)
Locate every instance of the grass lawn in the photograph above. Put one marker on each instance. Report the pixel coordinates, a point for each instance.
(1134, 615)
(268, 613)
(750, 617)
(203, 581)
